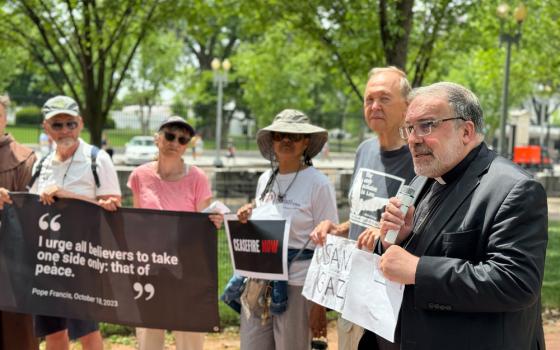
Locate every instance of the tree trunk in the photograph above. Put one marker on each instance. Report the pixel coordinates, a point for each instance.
(395, 26)
(95, 120)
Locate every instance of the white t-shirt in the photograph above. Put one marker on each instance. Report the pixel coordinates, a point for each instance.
(75, 174)
(309, 200)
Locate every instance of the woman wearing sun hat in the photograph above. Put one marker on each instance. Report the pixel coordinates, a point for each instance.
(307, 196)
(169, 184)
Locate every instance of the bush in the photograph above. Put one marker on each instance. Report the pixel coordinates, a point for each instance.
(29, 115)
(108, 329)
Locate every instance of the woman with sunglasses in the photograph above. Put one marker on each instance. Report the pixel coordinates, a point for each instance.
(306, 196)
(169, 184)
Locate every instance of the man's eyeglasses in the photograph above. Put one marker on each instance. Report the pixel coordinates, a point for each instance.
(279, 136)
(183, 140)
(423, 128)
(57, 126)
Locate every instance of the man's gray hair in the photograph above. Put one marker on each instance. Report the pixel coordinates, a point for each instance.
(463, 102)
(404, 84)
(5, 101)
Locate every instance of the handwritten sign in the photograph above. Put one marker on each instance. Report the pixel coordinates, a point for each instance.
(328, 273)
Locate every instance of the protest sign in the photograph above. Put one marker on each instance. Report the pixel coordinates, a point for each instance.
(370, 191)
(372, 301)
(258, 248)
(328, 273)
(138, 267)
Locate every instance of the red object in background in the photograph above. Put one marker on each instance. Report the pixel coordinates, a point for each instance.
(530, 156)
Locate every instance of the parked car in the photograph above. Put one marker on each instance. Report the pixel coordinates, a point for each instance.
(140, 150)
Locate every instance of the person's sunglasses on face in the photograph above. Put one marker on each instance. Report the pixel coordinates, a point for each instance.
(70, 125)
(279, 136)
(170, 137)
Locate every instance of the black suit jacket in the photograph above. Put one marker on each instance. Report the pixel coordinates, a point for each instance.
(481, 266)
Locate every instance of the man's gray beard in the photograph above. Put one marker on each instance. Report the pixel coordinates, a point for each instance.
(439, 166)
(66, 142)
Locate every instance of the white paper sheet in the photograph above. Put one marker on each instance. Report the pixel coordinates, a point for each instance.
(328, 273)
(372, 301)
(217, 207)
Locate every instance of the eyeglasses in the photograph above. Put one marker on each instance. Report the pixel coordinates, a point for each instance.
(57, 126)
(183, 140)
(423, 128)
(279, 136)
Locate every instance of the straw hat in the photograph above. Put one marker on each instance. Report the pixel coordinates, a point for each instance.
(292, 121)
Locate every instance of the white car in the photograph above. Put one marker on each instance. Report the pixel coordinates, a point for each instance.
(140, 150)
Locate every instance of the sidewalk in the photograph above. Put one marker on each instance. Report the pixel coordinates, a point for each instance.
(553, 208)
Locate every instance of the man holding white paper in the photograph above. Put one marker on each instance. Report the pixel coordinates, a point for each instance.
(472, 253)
(383, 164)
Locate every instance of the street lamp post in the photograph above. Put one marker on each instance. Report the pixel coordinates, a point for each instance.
(508, 36)
(220, 79)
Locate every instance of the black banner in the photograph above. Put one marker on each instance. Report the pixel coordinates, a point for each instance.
(257, 248)
(139, 267)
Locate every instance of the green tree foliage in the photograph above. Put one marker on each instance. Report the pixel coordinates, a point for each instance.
(474, 57)
(212, 30)
(292, 74)
(85, 47)
(153, 69)
(9, 60)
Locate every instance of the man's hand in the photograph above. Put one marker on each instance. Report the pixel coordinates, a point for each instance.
(47, 196)
(109, 203)
(398, 265)
(394, 219)
(4, 197)
(244, 213)
(367, 238)
(319, 233)
(318, 321)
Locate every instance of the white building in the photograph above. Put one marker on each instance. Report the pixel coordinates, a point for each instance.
(130, 117)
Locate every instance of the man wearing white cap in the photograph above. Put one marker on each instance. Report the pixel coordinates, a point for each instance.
(74, 170)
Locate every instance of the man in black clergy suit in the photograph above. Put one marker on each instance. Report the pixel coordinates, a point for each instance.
(472, 252)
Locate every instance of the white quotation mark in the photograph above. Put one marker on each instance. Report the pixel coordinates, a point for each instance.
(148, 288)
(54, 225)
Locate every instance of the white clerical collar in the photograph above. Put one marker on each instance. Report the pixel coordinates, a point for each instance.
(440, 180)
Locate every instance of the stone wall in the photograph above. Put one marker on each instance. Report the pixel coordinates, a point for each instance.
(236, 187)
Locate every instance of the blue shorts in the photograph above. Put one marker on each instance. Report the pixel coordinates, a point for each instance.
(46, 325)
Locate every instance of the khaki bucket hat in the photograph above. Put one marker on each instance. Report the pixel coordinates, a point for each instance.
(292, 121)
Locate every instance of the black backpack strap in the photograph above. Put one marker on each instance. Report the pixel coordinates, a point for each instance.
(94, 152)
(37, 171)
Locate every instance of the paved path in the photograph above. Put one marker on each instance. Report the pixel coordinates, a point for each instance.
(554, 209)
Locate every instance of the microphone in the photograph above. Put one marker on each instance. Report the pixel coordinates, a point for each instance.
(406, 197)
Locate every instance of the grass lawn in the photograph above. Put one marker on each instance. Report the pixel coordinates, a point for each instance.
(551, 285)
(30, 134)
(228, 317)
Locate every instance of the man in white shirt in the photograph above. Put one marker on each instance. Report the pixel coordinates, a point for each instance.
(67, 172)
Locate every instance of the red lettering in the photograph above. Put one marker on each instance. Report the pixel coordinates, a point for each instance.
(274, 246)
(269, 246)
